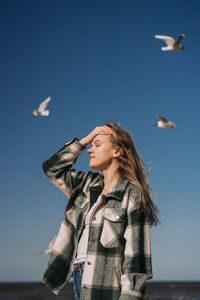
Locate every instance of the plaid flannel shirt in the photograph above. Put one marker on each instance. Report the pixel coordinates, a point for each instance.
(118, 260)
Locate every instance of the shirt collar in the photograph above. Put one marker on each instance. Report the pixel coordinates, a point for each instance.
(117, 191)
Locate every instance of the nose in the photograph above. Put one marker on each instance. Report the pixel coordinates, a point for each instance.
(89, 150)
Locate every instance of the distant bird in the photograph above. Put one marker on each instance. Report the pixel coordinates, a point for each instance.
(41, 109)
(172, 44)
(50, 248)
(164, 123)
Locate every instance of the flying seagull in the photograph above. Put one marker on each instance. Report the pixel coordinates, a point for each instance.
(41, 109)
(50, 248)
(164, 123)
(172, 44)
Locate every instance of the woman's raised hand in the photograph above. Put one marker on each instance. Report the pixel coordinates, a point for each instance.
(98, 130)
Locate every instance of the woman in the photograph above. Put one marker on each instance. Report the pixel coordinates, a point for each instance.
(103, 241)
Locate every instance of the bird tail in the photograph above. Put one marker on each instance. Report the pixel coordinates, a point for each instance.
(45, 113)
(165, 49)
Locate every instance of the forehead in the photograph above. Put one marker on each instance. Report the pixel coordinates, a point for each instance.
(101, 138)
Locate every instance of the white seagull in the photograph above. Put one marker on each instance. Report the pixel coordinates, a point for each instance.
(164, 123)
(172, 44)
(50, 248)
(41, 109)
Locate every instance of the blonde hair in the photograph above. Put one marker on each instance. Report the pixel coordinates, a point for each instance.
(131, 167)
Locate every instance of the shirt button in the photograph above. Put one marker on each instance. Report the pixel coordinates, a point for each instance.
(92, 240)
(89, 263)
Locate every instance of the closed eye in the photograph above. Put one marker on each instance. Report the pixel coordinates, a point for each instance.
(97, 143)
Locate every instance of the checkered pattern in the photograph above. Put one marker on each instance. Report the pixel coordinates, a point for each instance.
(118, 258)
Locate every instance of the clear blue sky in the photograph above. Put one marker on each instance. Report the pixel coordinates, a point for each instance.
(99, 61)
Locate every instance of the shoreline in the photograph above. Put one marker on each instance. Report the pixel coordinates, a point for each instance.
(171, 290)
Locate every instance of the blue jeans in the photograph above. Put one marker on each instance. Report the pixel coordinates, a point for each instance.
(77, 275)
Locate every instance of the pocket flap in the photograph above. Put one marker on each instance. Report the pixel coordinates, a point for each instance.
(81, 202)
(114, 214)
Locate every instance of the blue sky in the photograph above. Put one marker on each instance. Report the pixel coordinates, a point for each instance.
(99, 61)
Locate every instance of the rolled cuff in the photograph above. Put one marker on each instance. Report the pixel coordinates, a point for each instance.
(71, 150)
(77, 142)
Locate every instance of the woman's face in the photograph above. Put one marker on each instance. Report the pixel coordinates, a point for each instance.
(101, 153)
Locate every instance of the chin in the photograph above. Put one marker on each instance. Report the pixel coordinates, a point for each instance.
(93, 167)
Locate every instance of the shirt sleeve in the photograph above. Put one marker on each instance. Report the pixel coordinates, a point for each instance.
(58, 167)
(136, 268)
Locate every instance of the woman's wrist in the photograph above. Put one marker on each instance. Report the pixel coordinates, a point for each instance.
(85, 141)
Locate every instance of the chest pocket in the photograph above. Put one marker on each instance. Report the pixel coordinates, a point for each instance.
(81, 202)
(113, 227)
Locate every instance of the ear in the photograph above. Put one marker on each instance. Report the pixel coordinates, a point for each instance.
(117, 152)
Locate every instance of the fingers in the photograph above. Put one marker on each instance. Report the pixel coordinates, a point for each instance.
(103, 130)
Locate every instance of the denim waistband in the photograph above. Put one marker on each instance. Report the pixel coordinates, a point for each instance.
(79, 264)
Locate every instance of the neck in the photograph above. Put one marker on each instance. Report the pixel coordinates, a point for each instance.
(110, 177)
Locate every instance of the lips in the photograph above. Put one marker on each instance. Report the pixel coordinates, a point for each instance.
(91, 157)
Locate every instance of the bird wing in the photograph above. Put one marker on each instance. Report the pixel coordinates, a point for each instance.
(43, 105)
(168, 39)
(163, 119)
(178, 41)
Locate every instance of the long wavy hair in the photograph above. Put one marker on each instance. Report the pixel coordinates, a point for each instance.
(131, 167)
